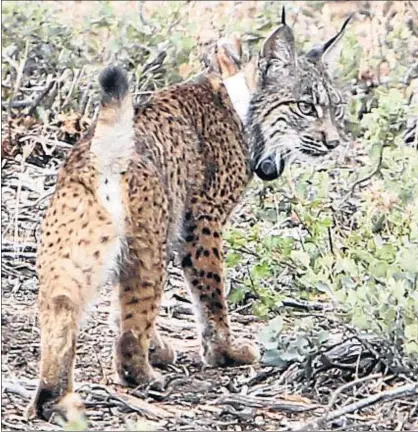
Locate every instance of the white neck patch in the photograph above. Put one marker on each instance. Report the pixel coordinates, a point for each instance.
(239, 93)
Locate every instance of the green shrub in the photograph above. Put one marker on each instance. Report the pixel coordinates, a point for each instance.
(357, 247)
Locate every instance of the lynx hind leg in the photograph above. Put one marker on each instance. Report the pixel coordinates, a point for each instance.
(203, 267)
(78, 249)
(160, 352)
(143, 274)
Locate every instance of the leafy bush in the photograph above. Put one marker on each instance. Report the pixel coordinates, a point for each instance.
(72, 52)
(348, 234)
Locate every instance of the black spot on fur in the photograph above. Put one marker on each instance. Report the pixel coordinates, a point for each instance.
(206, 231)
(199, 252)
(187, 261)
(216, 306)
(206, 217)
(210, 174)
(133, 300)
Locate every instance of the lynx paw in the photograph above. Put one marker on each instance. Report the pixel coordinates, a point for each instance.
(161, 354)
(239, 354)
(132, 365)
(46, 404)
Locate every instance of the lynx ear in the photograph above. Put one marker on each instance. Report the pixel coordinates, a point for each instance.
(280, 45)
(329, 53)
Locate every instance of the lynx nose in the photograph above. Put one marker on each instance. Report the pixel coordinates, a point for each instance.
(268, 168)
(332, 144)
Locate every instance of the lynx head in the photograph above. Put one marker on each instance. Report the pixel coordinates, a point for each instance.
(295, 109)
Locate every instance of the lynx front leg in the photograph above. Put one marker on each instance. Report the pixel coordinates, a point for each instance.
(203, 267)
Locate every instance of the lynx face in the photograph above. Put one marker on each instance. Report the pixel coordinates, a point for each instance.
(296, 111)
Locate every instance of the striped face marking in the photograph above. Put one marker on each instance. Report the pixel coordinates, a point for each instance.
(319, 111)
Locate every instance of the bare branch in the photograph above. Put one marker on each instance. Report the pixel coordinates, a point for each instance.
(385, 396)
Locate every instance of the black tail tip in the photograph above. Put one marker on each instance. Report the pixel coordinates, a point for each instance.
(114, 83)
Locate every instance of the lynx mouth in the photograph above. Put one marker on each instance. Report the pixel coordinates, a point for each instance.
(317, 153)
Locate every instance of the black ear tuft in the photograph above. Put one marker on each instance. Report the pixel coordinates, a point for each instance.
(280, 45)
(283, 15)
(334, 39)
(329, 52)
(346, 22)
(114, 83)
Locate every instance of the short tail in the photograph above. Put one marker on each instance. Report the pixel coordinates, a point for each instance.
(114, 135)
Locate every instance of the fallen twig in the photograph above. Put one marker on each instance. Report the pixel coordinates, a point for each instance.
(272, 404)
(346, 386)
(109, 398)
(307, 305)
(19, 77)
(40, 96)
(384, 396)
(375, 171)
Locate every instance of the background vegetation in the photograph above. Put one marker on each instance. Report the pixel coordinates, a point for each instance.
(326, 249)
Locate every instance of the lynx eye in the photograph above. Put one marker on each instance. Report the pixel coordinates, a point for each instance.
(307, 109)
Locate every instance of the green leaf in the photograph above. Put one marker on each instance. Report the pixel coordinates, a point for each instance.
(348, 282)
(411, 347)
(408, 259)
(379, 269)
(374, 152)
(411, 332)
(261, 310)
(386, 252)
(360, 320)
(236, 295)
(301, 256)
(233, 259)
(323, 336)
(326, 222)
(261, 270)
(346, 265)
(273, 357)
(268, 335)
